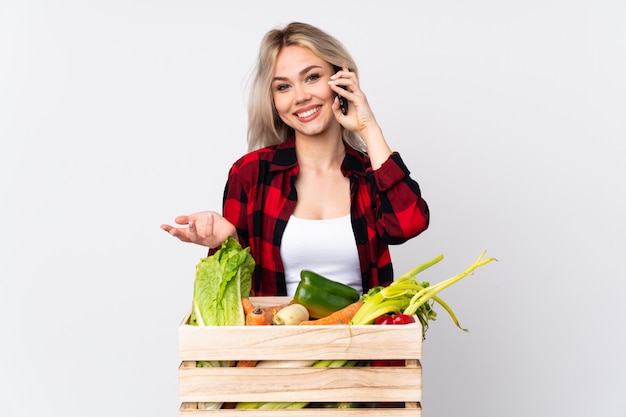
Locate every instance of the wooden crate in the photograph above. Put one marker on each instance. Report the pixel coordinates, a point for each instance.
(400, 388)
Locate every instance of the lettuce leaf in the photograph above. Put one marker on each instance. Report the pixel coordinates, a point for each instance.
(222, 280)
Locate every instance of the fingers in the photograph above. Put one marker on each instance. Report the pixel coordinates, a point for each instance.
(192, 232)
(182, 220)
(199, 230)
(204, 228)
(210, 224)
(345, 84)
(180, 233)
(345, 80)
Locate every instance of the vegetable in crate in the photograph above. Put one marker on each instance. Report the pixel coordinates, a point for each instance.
(323, 296)
(260, 316)
(342, 316)
(291, 315)
(222, 280)
(403, 296)
(408, 296)
(394, 319)
(387, 320)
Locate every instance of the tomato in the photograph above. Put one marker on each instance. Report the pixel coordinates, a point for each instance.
(394, 319)
(384, 319)
(388, 363)
(403, 319)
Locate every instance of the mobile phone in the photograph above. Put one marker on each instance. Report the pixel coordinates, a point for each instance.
(343, 103)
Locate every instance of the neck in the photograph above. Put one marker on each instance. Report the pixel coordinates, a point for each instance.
(320, 153)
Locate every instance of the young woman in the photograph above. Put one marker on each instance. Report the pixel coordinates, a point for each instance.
(319, 189)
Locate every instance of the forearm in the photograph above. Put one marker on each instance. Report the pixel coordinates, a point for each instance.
(377, 148)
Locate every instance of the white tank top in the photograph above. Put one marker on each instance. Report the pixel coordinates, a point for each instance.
(326, 247)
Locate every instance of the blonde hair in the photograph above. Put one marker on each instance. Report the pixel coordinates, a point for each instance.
(265, 127)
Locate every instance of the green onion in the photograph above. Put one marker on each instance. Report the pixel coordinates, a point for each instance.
(408, 296)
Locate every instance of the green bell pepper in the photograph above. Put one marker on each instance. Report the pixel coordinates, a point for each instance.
(323, 296)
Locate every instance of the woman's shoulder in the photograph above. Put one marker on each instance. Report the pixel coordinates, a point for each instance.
(256, 156)
(253, 156)
(278, 154)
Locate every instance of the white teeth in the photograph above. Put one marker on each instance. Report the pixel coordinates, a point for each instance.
(308, 112)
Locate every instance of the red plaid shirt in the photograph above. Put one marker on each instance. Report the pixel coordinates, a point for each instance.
(387, 208)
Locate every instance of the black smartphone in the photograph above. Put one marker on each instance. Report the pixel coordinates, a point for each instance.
(343, 103)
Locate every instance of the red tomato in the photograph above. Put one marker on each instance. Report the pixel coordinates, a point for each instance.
(388, 363)
(403, 319)
(384, 319)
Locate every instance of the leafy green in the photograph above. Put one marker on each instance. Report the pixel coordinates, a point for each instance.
(222, 280)
(408, 296)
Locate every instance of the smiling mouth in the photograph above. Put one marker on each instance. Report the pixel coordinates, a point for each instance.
(308, 113)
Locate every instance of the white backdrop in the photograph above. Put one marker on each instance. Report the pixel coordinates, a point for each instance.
(116, 116)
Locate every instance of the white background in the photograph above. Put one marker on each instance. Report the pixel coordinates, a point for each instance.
(116, 116)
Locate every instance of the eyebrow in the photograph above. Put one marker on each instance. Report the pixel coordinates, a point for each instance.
(304, 71)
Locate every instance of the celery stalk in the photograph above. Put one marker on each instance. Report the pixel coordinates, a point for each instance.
(412, 297)
(450, 312)
(427, 293)
(413, 272)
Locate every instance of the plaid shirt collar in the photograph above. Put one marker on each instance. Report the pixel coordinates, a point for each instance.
(285, 159)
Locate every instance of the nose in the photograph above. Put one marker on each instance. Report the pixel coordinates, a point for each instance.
(301, 94)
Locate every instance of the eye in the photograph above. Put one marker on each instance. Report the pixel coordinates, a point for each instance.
(281, 87)
(312, 77)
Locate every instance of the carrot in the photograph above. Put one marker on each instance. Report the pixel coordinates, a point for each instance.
(247, 305)
(270, 311)
(257, 317)
(342, 316)
(246, 364)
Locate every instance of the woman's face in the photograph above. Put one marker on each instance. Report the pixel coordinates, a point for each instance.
(302, 96)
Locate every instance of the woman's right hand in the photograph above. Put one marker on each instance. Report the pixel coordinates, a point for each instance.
(206, 228)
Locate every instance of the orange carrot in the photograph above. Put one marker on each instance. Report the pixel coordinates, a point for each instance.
(246, 364)
(270, 311)
(247, 305)
(257, 317)
(342, 316)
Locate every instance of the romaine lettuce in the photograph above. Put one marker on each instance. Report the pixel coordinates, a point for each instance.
(222, 279)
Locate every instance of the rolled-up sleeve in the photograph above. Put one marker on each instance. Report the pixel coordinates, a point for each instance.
(402, 213)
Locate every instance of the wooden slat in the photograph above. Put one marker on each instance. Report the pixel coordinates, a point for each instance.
(312, 412)
(349, 384)
(299, 342)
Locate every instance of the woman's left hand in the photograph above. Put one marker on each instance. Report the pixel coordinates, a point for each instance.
(359, 117)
